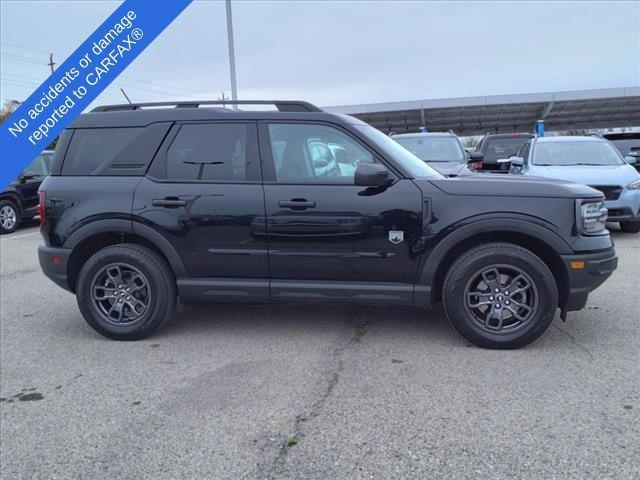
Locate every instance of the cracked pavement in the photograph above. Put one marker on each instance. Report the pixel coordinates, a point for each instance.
(313, 392)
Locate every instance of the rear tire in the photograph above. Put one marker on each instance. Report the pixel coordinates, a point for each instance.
(9, 216)
(630, 227)
(500, 295)
(126, 291)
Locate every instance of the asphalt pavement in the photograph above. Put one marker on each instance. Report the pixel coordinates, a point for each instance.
(313, 392)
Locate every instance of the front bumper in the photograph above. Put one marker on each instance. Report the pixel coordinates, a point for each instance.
(53, 262)
(597, 268)
(626, 208)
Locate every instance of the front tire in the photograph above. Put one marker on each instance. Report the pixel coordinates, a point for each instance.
(126, 291)
(9, 217)
(500, 295)
(630, 227)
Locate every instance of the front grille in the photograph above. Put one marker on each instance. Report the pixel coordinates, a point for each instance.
(611, 192)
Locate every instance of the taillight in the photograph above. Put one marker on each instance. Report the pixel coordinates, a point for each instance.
(42, 207)
(477, 165)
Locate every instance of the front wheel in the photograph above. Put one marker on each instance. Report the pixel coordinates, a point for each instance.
(126, 291)
(500, 295)
(630, 227)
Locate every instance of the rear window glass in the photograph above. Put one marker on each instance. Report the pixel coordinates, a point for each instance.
(497, 148)
(211, 152)
(92, 149)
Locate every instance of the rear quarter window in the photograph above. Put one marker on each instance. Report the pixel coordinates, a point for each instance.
(92, 149)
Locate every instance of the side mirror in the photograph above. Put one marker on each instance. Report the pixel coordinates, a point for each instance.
(372, 175)
(475, 157)
(631, 159)
(514, 161)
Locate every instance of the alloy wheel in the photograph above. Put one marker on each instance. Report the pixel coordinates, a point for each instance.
(8, 217)
(501, 298)
(121, 293)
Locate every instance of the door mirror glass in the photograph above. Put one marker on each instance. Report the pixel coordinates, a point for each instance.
(372, 175)
(631, 159)
(475, 157)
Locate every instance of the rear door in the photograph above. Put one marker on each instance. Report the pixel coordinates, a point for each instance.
(203, 193)
(329, 239)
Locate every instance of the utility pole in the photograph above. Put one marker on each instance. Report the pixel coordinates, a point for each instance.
(51, 62)
(232, 56)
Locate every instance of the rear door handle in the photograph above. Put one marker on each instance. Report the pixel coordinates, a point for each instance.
(297, 204)
(169, 202)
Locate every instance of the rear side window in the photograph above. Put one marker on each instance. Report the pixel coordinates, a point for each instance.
(498, 148)
(91, 149)
(214, 152)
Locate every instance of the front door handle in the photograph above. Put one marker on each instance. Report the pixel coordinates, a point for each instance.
(169, 202)
(297, 204)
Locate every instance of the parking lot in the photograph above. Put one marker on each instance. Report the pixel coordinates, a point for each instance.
(269, 391)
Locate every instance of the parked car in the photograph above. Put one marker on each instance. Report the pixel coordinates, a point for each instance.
(628, 144)
(499, 146)
(442, 151)
(19, 200)
(591, 161)
(147, 205)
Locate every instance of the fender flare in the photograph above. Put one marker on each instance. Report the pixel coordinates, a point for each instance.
(129, 226)
(519, 225)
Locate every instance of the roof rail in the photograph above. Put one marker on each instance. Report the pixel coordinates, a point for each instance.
(281, 105)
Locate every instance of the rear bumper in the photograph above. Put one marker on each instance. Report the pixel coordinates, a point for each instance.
(597, 268)
(53, 262)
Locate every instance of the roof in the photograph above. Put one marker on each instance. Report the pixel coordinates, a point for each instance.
(423, 134)
(570, 138)
(564, 110)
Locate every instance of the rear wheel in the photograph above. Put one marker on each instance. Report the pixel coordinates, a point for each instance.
(126, 291)
(630, 227)
(500, 295)
(9, 217)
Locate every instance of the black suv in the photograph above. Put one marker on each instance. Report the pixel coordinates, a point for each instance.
(19, 201)
(147, 205)
(494, 147)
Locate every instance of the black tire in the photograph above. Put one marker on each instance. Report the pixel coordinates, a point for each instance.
(463, 305)
(630, 227)
(6, 225)
(159, 293)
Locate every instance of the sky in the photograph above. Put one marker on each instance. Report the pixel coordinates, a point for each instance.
(342, 52)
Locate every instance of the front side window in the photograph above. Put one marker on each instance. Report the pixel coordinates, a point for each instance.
(215, 152)
(433, 148)
(416, 167)
(576, 152)
(310, 153)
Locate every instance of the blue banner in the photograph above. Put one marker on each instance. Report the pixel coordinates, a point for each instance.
(80, 79)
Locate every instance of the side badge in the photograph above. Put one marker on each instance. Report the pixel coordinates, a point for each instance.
(396, 236)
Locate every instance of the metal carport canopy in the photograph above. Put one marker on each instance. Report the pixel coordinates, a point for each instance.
(579, 109)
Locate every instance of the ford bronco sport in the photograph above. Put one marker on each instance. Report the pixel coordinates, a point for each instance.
(206, 204)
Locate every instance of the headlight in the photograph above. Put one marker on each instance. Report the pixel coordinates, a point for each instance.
(634, 185)
(593, 217)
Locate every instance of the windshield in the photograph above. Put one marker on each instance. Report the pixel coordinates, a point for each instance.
(433, 149)
(576, 153)
(40, 166)
(498, 148)
(408, 160)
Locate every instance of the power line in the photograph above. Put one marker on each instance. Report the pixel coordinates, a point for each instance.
(20, 58)
(23, 48)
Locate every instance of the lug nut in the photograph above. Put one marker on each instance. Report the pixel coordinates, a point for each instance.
(491, 298)
(506, 293)
(497, 290)
(498, 305)
(507, 302)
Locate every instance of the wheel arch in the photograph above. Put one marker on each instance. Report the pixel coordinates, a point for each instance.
(94, 236)
(538, 239)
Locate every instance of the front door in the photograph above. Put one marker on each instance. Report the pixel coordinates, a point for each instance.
(204, 195)
(330, 240)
